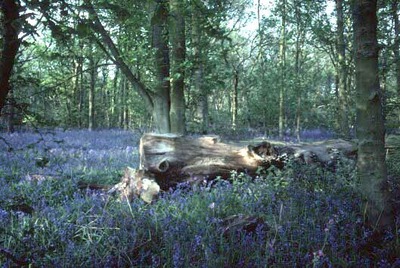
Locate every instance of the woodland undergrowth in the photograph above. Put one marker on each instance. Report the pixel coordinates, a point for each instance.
(307, 216)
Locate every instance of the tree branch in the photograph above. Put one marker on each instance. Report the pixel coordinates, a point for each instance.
(11, 43)
(98, 27)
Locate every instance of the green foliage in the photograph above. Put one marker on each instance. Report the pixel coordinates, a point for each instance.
(54, 77)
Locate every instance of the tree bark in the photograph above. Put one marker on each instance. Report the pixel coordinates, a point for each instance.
(342, 71)
(282, 65)
(115, 95)
(235, 98)
(126, 118)
(11, 112)
(11, 43)
(173, 158)
(92, 87)
(161, 99)
(169, 159)
(371, 166)
(78, 88)
(298, 66)
(121, 102)
(178, 54)
(199, 61)
(396, 48)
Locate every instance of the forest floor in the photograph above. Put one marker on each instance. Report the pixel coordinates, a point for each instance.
(303, 216)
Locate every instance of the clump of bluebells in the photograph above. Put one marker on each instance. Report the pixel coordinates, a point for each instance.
(79, 154)
(307, 216)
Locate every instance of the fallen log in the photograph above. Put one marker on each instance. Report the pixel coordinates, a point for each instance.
(167, 159)
(172, 159)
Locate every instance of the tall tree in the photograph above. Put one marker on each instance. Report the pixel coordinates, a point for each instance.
(300, 36)
(341, 71)
(78, 88)
(157, 101)
(178, 54)
(10, 45)
(371, 166)
(92, 87)
(199, 68)
(161, 100)
(282, 69)
(166, 106)
(396, 48)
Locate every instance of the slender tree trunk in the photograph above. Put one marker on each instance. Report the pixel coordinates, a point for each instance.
(178, 53)
(299, 89)
(107, 104)
(78, 88)
(235, 98)
(298, 66)
(126, 106)
(261, 58)
(199, 61)
(261, 37)
(342, 71)
(114, 100)
(81, 97)
(10, 45)
(161, 99)
(396, 48)
(121, 103)
(92, 88)
(11, 112)
(202, 105)
(282, 65)
(371, 166)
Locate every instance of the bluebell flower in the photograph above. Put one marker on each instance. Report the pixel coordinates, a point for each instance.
(177, 257)
(4, 216)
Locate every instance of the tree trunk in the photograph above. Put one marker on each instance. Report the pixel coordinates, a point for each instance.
(178, 53)
(199, 58)
(371, 166)
(235, 98)
(161, 113)
(126, 106)
(342, 71)
(114, 98)
(396, 48)
(122, 102)
(78, 88)
(282, 65)
(298, 90)
(161, 99)
(10, 45)
(11, 112)
(92, 88)
(298, 67)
